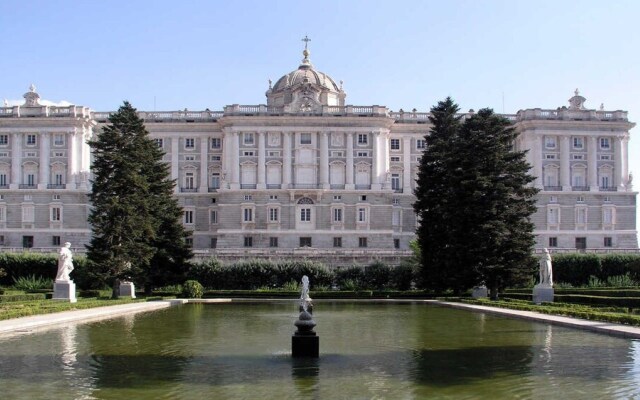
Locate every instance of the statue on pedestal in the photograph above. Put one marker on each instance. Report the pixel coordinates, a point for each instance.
(546, 271)
(65, 263)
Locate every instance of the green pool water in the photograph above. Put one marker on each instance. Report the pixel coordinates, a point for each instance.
(368, 351)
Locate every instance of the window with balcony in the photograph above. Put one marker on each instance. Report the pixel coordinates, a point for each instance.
(394, 144)
(363, 139)
(189, 143)
(605, 143)
(31, 140)
(216, 143)
(578, 142)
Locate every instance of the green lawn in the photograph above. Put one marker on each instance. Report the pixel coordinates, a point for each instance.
(18, 309)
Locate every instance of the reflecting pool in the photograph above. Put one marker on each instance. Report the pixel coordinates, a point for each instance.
(367, 351)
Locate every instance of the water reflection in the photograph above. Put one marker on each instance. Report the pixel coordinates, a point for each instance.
(381, 351)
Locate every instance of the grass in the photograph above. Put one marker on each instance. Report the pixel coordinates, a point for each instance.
(27, 308)
(618, 315)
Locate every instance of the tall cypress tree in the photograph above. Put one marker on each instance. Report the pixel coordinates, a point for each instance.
(473, 203)
(136, 229)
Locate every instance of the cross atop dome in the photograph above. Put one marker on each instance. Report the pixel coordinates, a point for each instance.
(305, 52)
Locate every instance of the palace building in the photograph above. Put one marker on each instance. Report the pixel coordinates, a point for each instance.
(306, 174)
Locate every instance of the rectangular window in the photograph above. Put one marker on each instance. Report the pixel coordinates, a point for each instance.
(273, 197)
(337, 242)
(605, 157)
(363, 154)
(216, 143)
(553, 242)
(273, 242)
(248, 241)
(189, 143)
(273, 215)
(58, 154)
(189, 158)
(395, 159)
(396, 243)
(581, 216)
(305, 214)
(578, 142)
(27, 242)
(58, 139)
(188, 217)
(550, 142)
(363, 138)
(4, 140)
(55, 240)
(189, 180)
(395, 181)
(188, 241)
(248, 197)
(607, 215)
(305, 242)
(215, 158)
(577, 156)
(362, 215)
(395, 202)
(215, 181)
(421, 144)
(608, 242)
(3, 214)
(337, 197)
(56, 214)
(581, 243)
(28, 213)
(552, 215)
(31, 140)
(337, 215)
(247, 215)
(362, 242)
(213, 243)
(550, 156)
(159, 142)
(248, 138)
(213, 216)
(305, 138)
(248, 153)
(3, 179)
(1, 240)
(605, 143)
(363, 197)
(395, 144)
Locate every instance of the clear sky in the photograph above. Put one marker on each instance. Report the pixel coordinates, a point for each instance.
(170, 55)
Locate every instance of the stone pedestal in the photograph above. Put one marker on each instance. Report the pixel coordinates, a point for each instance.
(480, 292)
(127, 289)
(305, 345)
(64, 290)
(542, 294)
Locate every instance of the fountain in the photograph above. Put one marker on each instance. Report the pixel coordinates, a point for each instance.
(305, 342)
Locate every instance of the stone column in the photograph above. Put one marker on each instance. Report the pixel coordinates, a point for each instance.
(383, 160)
(375, 173)
(286, 160)
(537, 162)
(349, 168)
(406, 164)
(324, 160)
(16, 161)
(618, 154)
(45, 153)
(235, 161)
(175, 162)
(592, 161)
(72, 160)
(261, 160)
(565, 167)
(204, 165)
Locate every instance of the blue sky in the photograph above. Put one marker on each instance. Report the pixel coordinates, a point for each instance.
(507, 55)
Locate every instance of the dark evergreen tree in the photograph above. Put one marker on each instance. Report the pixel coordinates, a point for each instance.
(499, 202)
(136, 229)
(474, 203)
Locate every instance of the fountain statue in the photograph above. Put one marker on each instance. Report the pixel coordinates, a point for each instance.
(305, 342)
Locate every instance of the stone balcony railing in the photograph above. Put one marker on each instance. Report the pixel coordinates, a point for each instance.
(45, 111)
(571, 115)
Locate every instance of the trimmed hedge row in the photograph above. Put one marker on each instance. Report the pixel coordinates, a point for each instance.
(9, 298)
(256, 274)
(577, 269)
(17, 265)
(607, 292)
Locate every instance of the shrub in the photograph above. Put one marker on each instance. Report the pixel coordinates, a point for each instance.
(352, 277)
(209, 273)
(31, 282)
(192, 290)
(349, 285)
(377, 276)
(621, 281)
(402, 276)
(576, 269)
(291, 286)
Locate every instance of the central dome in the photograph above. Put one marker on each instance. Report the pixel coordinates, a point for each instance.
(305, 89)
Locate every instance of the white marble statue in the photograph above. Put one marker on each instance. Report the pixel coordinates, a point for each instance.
(65, 263)
(546, 271)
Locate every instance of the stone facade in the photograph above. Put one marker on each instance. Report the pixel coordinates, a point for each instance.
(307, 175)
